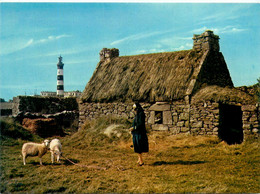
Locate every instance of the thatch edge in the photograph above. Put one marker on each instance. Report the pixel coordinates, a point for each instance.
(223, 95)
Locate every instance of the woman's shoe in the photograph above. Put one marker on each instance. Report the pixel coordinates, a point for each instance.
(141, 164)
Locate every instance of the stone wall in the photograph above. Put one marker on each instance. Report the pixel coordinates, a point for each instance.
(175, 117)
(88, 111)
(46, 115)
(204, 118)
(200, 119)
(178, 117)
(6, 108)
(43, 105)
(251, 119)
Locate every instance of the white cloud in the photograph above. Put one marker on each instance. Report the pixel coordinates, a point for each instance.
(51, 38)
(55, 53)
(131, 37)
(147, 51)
(30, 42)
(138, 37)
(189, 45)
(199, 30)
(221, 30)
(232, 13)
(176, 43)
(182, 47)
(9, 46)
(219, 17)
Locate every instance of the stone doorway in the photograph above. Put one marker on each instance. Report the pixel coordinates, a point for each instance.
(230, 124)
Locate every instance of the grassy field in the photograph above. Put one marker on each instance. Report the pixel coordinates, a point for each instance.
(176, 164)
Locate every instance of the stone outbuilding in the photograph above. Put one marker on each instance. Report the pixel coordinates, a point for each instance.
(188, 91)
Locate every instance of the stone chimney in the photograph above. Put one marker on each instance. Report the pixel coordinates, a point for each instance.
(106, 53)
(206, 41)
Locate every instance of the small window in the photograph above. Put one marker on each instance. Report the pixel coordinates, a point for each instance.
(158, 117)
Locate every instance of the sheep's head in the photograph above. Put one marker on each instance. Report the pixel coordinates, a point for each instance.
(46, 142)
(58, 153)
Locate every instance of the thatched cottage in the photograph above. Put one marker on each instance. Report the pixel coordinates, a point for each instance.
(188, 91)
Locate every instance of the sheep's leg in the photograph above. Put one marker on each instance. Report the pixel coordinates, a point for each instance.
(52, 157)
(24, 162)
(40, 161)
(58, 158)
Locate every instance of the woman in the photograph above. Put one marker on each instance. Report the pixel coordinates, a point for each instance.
(139, 135)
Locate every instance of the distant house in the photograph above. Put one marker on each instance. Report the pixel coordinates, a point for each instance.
(48, 94)
(6, 107)
(187, 91)
(76, 93)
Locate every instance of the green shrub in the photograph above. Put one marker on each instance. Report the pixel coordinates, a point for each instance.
(11, 130)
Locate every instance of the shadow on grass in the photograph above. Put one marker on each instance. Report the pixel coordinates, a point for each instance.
(62, 162)
(159, 163)
(58, 190)
(68, 163)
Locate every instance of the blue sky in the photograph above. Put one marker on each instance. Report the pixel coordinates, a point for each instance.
(34, 35)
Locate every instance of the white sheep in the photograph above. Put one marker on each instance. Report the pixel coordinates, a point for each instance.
(55, 149)
(35, 149)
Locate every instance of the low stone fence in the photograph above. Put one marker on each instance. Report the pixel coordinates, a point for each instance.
(6, 108)
(46, 116)
(43, 105)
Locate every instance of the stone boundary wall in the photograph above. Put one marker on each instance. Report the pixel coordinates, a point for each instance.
(197, 119)
(47, 116)
(6, 108)
(43, 105)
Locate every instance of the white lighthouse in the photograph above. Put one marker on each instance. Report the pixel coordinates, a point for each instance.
(60, 82)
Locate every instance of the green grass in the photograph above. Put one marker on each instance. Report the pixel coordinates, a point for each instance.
(175, 164)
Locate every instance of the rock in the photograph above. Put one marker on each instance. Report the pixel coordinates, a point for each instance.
(180, 124)
(198, 124)
(255, 130)
(184, 116)
(160, 127)
(184, 129)
(167, 117)
(249, 108)
(160, 107)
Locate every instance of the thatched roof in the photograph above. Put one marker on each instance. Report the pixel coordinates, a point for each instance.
(224, 95)
(149, 77)
(155, 77)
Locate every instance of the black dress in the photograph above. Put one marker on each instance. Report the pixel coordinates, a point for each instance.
(139, 135)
